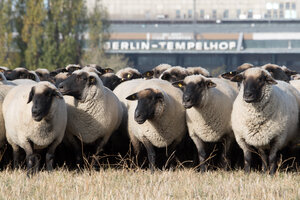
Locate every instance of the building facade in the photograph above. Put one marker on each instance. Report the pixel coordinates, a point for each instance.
(201, 10)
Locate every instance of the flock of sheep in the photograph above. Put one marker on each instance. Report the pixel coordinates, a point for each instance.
(255, 107)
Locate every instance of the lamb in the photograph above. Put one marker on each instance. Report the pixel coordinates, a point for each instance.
(198, 70)
(265, 115)
(128, 73)
(209, 104)
(35, 118)
(156, 117)
(95, 111)
(174, 74)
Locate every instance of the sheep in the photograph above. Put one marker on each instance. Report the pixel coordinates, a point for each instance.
(19, 73)
(276, 72)
(264, 116)
(156, 71)
(100, 69)
(295, 77)
(296, 84)
(36, 77)
(198, 70)
(156, 117)
(244, 67)
(57, 71)
(35, 118)
(174, 74)
(209, 104)
(128, 73)
(288, 71)
(60, 77)
(110, 80)
(95, 112)
(3, 69)
(4, 89)
(72, 67)
(43, 74)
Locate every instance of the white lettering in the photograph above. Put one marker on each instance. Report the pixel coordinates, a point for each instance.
(190, 45)
(180, 45)
(170, 46)
(145, 45)
(213, 45)
(115, 45)
(124, 46)
(206, 47)
(162, 45)
(232, 45)
(223, 45)
(107, 46)
(198, 45)
(131, 46)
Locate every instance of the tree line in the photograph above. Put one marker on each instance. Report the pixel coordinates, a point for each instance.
(52, 33)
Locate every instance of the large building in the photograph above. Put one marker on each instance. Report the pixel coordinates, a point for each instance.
(242, 37)
(201, 10)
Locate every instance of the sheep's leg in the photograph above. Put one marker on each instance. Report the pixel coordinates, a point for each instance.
(171, 149)
(32, 160)
(136, 145)
(225, 159)
(264, 159)
(150, 152)
(247, 154)
(50, 154)
(273, 158)
(71, 140)
(101, 144)
(201, 152)
(16, 155)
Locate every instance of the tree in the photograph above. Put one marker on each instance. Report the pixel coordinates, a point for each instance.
(33, 32)
(6, 32)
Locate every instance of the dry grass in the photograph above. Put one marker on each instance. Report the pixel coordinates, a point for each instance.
(140, 184)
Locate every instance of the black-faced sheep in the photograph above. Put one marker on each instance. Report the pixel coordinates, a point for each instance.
(128, 73)
(265, 115)
(35, 118)
(197, 71)
(174, 74)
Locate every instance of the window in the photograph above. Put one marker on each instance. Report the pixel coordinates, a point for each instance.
(202, 14)
(190, 14)
(214, 14)
(281, 15)
(287, 5)
(294, 6)
(238, 13)
(226, 14)
(281, 5)
(177, 14)
(250, 14)
(275, 14)
(268, 15)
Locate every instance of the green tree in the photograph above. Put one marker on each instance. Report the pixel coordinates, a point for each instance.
(6, 32)
(33, 32)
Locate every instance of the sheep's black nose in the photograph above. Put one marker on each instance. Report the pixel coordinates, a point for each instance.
(186, 98)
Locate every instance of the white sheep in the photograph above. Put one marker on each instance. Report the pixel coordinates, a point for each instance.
(94, 111)
(35, 118)
(209, 104)
(156, 117)
(265, 115)
(296, 84)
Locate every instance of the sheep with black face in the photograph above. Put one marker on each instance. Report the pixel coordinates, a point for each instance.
(156, 117)
(43, 74)
(128, 73)
(197, 71)
(209, 104)
(156, 71)
(35, 118)
(265, 116)
(173, 74)
(21, 73)
(95, 112)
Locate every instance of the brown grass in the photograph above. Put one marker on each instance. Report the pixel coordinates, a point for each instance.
(141, 184)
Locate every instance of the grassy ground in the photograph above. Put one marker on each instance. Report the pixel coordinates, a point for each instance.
(141, 184)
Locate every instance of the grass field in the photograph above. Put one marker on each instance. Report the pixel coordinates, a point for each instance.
(141, 184)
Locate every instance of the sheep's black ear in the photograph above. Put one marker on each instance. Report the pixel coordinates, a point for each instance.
(108, 70)
(210, 84)
(132, 97)
(31, 94)
(229, 75)
(31, 76)
(237, 78)
(58, 94)
(92, 80)
(271, 80)
(178, 84)
(148, 74)
(165, 76)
